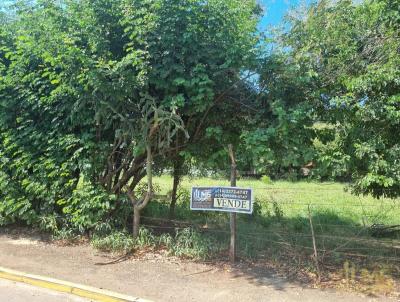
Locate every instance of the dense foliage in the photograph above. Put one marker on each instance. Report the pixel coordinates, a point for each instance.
(356, 67)
(94, 95)
(93, 92)
(332, 89)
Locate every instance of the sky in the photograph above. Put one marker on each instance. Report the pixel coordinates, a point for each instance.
(275, 10)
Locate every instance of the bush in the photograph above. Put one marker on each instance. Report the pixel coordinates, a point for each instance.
(266, 180)
(87, 207)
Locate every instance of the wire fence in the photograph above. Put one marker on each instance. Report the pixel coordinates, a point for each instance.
(373, 243)
(285, 223)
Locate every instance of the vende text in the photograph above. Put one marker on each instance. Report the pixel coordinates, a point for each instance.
(231, 203)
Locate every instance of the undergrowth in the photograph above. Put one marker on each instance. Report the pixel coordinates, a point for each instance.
(187, 243)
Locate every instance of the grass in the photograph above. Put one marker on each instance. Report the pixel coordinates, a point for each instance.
(187, 242)
(294, 198)
(278, 232)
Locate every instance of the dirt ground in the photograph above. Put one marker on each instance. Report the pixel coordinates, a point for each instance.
(154, 276)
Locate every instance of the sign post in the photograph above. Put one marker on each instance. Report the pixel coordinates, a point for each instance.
(225, 199)
(232, 221)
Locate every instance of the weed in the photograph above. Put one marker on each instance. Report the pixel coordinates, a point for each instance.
(115, 242)
(278, 212)
(374, 281)
(186, 243)
(145, 238)
(65, 234)
(190, 243)
(166, 240)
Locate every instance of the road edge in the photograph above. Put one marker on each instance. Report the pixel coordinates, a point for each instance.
(67, 287)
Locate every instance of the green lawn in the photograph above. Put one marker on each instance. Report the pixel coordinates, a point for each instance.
(294, 198)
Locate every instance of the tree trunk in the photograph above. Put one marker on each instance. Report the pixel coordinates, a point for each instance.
(139, 205)
(178, 164)
(136, 221)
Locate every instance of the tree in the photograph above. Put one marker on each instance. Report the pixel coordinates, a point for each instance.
(280, 139)
(350, 54)
(94, 92)
(198, 51)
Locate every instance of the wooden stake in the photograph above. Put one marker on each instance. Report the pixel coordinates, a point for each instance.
(232, 250)
(232, 222)
(314, 245)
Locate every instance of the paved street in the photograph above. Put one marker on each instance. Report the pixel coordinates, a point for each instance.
(19, 292)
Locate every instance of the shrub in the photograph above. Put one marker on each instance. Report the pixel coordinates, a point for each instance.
(87, 207)
(266, 180)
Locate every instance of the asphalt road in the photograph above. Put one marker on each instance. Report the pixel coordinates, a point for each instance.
(19, 292)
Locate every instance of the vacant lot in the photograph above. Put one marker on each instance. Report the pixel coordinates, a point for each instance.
(354, 243)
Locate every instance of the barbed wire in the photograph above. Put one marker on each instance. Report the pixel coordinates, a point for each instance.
(314, 203)
(297, 235)
(279, 233)
(297, 204)
(363, 214)
(190, 223)
(297, 246)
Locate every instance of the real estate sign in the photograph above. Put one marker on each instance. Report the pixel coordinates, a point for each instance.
(225, 199)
